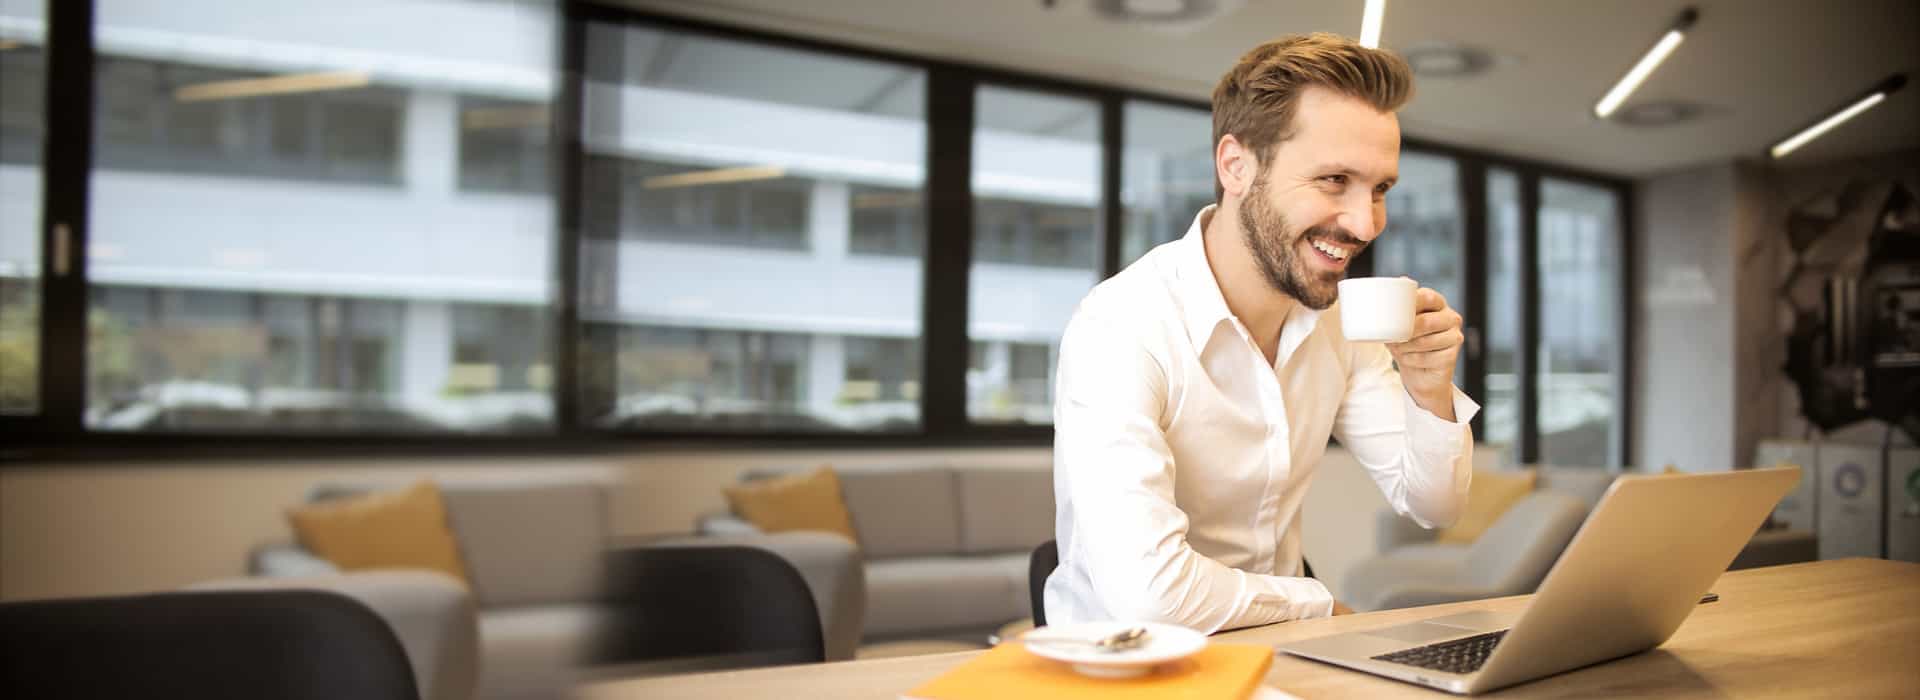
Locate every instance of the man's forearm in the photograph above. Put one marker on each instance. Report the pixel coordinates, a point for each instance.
(1439, 402)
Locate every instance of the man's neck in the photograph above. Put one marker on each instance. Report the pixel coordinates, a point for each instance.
(1248, 295)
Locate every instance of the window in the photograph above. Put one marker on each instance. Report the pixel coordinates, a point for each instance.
(503, 145)
(1578, 375)
(272, 243)
(887, 221)
(1166, 174)
(23, 70)
(220, 117)
(1501, 414)
(1036, 187)
(1423, 238)
(752, 238)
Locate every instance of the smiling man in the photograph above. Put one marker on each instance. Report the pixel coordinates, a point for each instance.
(1197, 388)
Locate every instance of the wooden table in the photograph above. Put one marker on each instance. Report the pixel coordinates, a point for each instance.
(1844, 629)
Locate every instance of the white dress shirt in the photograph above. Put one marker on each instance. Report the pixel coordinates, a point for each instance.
(1181, 457)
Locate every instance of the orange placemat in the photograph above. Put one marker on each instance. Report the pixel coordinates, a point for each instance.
(1010, 672)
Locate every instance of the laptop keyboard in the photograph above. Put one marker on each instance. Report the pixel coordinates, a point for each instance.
(1453, 656)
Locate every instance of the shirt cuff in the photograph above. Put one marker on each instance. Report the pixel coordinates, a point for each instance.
(1433, 435)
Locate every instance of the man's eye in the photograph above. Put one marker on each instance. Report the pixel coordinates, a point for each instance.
(1335, 179)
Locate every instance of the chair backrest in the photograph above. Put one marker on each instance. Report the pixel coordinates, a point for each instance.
(288, 644)
(1040, 565)
(742, 605)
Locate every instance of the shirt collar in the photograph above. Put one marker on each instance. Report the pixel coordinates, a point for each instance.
(1206, 307)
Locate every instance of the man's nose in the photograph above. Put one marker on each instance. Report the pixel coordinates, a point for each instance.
(1357, 217)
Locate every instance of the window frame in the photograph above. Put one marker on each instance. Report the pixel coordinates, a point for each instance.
(58, 430)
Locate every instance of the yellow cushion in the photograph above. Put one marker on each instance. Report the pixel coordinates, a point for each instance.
(405, 529)
(1490, 495)
(809, 501)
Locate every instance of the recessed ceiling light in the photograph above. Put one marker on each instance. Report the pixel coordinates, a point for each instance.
(1875, 95)
(1446, 60)
(1638, 74)
(1660, 113)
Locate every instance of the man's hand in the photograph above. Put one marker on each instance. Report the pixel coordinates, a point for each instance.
(1426, 360)
(1340, 608)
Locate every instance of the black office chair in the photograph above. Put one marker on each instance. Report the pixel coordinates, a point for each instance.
(712, 607)
(1046, 558)
(287, 644)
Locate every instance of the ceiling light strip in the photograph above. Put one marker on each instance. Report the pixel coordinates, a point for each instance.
(273, 85)
(1370, 21)
(1877, 94)
(1638, 74)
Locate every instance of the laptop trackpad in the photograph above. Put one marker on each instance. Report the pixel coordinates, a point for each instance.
(1421, 632)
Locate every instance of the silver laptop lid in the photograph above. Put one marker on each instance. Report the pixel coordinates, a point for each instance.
(1635, 569)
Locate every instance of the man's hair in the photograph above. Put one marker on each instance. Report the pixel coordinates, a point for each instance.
(1255, 100)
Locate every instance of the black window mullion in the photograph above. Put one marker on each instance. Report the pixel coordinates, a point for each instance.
(1474, 266)
(1112, 124)
(1623, 329)
(63, 228)
(569, 204)
(949, 259)
(1527, 364)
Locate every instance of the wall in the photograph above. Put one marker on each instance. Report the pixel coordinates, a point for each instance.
(1683, 373)
(1710, 332)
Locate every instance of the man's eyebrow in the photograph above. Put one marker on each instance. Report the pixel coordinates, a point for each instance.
(1342, 169)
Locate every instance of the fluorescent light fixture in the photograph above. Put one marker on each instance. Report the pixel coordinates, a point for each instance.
(714, 177)
(1370, 21)
(1875, 95)
(1631, 81)
(272, 85)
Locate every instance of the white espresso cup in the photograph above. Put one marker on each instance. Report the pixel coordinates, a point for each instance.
(1377, 309)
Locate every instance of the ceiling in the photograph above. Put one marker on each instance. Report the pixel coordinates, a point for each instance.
(1757, 70)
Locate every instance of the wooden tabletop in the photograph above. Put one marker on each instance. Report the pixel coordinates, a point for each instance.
(1846, 628)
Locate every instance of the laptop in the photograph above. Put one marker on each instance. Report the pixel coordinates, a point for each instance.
(1633, 572)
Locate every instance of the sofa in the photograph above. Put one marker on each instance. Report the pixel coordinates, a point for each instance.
(1515, 553)
(1511, 557)
(534, 554)
(944, 546)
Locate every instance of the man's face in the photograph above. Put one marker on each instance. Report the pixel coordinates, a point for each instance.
(1321, 196)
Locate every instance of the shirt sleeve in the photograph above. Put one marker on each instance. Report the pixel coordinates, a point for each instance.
(1421, 462)
(1127, 532)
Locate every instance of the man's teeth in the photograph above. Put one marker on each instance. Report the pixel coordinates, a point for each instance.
(1332, 252)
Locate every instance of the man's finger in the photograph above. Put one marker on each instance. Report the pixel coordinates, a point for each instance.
(1426, 299)
(1446, 358)
(1439, 340)
(1435, 321)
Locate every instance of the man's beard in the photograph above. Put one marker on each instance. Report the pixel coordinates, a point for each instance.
(1276, 252)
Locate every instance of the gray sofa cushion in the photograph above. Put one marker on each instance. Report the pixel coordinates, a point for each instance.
(535, 651)
(903, 512)
(530, 543)
(926, 594)
(1004, 510)
(1513, 555)
(1584, 483)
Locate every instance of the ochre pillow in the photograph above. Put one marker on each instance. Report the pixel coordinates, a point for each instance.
(405, 529)
(1488, 497)
(809, 501)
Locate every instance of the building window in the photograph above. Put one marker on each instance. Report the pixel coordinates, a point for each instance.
(229, 120)
(244, 275)
(752, 236)
(1578, 375)
(1166, 171)
(503, 145)
(1036, 175)
(887, 221)
(23, 133)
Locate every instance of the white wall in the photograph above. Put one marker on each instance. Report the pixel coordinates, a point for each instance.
(1683, 326)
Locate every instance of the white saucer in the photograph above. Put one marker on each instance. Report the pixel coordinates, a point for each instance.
(1165, 643)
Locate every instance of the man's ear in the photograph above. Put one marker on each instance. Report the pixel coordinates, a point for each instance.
(1235, 166)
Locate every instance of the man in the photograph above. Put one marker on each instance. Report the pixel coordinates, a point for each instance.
(1198, 387)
